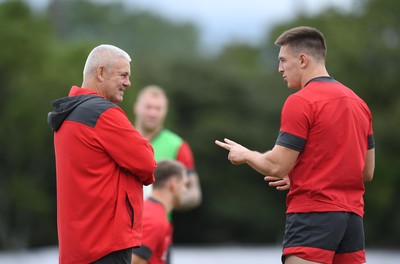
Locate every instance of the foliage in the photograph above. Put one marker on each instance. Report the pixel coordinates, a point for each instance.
(236, 94)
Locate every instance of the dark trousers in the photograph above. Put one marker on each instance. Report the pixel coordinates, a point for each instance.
(117, 257)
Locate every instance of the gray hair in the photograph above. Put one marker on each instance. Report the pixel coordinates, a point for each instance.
(103, 54)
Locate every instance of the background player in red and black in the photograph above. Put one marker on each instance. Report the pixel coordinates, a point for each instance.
(168, 189)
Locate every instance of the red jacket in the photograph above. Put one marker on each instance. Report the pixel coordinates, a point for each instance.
(102, 163)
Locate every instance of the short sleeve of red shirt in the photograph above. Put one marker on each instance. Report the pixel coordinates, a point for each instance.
(185, 156)
(296, 121)
(154, 239)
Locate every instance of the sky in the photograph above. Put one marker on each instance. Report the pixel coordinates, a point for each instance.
(222, 21)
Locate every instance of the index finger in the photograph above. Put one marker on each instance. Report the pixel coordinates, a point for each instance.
(230, 142)
(223, 145)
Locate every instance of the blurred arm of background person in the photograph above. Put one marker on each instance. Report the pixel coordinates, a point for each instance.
(192, 198)
(150, 110)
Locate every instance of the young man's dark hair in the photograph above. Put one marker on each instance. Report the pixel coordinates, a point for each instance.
(304, 39)
(165, 170)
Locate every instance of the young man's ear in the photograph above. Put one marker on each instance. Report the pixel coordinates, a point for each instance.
(172, 184)
(303, 60)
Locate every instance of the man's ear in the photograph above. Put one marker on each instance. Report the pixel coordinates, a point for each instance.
(100, 73)
(303, 60)
(172, 183)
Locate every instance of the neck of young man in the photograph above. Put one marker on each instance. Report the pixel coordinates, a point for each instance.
(317, 72)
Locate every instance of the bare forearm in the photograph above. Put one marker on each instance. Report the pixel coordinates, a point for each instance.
(193, 196)
(263, 163)
(277, 162)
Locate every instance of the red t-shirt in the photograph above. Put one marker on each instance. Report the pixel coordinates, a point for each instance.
(157, 233)
(331, 127)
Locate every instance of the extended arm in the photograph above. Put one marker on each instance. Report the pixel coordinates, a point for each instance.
(276, 162)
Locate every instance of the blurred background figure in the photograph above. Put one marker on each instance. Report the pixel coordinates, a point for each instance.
(167, 192)
(150, 109)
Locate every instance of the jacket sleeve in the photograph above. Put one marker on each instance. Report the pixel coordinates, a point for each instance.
(125, 145)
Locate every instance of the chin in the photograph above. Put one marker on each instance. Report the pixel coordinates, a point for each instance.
(118, 100)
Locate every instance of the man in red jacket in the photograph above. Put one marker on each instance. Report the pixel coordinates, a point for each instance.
(102, 163)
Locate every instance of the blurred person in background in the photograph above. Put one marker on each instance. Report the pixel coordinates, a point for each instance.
(168, 189)
(325, 150)
(150, 110)
(102, 163)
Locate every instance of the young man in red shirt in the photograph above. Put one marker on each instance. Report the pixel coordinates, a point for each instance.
(325, 151)
(168, 189)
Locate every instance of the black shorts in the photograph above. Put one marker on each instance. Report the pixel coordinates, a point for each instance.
(327, 237)
(117, 257)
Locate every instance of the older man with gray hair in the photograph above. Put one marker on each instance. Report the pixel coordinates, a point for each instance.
(102, 163)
